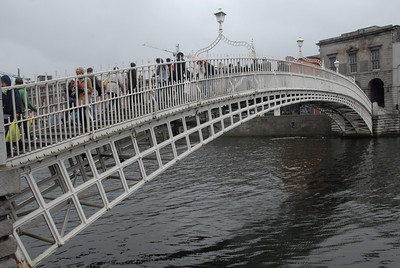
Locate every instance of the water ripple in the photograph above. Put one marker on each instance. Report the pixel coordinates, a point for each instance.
(255, 202)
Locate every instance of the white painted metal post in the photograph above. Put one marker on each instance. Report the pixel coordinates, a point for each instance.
(3, 152)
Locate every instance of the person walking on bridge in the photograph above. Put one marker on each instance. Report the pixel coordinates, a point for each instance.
(179, 77)
(162, 77)
(12, 106)
(85, 89)
(96, 83)
(169, 89)
(26, 105)
(209, 74)
(179, 68)
(132, 78)
(114, 89)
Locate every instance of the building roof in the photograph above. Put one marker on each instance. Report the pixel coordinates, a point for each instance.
(363, 32)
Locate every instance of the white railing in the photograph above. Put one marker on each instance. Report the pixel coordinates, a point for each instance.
(144, 91)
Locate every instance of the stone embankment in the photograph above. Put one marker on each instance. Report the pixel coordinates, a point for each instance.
(285, 125)
(309, 125)
(9, 184)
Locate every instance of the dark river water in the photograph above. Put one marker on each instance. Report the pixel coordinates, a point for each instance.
(256, 202)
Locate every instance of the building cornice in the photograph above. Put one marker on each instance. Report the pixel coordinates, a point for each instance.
(361, 33)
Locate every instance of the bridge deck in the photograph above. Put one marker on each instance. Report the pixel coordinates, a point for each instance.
(58, 121)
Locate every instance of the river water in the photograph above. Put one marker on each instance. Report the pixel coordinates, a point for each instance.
(256, 202)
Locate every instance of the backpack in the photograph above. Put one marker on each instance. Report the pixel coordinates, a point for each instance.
(71, 89)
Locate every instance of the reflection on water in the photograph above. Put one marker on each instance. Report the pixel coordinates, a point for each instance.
(256, 202)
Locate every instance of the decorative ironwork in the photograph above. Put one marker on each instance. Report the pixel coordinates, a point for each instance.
(301, 59)
(220, 19)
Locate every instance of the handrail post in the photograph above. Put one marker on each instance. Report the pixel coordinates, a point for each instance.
(3, 151)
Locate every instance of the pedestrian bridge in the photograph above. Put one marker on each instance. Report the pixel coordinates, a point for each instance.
(77, 162)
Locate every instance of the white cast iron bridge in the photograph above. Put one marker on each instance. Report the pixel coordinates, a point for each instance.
(78, 162)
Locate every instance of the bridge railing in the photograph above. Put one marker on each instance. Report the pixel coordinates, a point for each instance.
(128, 94)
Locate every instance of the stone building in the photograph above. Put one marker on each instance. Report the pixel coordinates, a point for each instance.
(372, 57)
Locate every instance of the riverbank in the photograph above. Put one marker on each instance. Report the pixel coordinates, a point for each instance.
(309, 125)
(285, 125)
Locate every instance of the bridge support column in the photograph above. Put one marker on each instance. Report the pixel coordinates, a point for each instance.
(10, 183)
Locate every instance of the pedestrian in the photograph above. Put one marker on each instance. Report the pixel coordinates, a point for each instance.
(161, 76)
(85, 89)
(179, 77)
(161, 72)
(231, 69)
(170, 70)
(179, 68)
(132, 78)
(168, 90)
(12, 107)
(265, 65)
(238, 68)
(96, 83)
(26, 105)
(26, 100)
(222, 70)
(114, 89)
(209, 73)
(200, 70)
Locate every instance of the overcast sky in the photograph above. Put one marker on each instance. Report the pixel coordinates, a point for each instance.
(56, 36)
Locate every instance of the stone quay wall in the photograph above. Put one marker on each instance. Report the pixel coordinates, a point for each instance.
(10, 183)
(309, 125)
(285, 125)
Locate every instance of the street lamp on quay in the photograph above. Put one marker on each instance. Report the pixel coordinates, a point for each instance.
(220, 16)
(336, 63)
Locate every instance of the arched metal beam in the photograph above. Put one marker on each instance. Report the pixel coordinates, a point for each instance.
(250, 47)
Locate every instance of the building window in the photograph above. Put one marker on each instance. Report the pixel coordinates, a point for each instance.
(375, 59)
(332, 63)
(353, 63)
(301, 69)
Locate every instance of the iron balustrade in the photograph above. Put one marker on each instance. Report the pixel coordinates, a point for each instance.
(60, 122)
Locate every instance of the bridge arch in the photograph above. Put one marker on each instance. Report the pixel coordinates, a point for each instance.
(69, 183)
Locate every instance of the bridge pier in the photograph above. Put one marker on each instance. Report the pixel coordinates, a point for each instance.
(10, 183)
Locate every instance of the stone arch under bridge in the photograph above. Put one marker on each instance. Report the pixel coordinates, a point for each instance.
(68, 185)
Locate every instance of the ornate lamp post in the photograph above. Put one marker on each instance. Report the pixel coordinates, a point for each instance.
(220, 16)
(300, 44)
(301, 58)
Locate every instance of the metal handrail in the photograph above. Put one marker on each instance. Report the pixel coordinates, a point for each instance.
(60, 122)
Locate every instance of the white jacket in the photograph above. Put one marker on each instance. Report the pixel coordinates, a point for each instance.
(115, 84)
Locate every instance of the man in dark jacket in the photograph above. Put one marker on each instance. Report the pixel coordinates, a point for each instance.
(11, 110)
(132, 78)
(179, 77)
(209, 73)
(12, 106)
(96, 83)
(179, 68)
